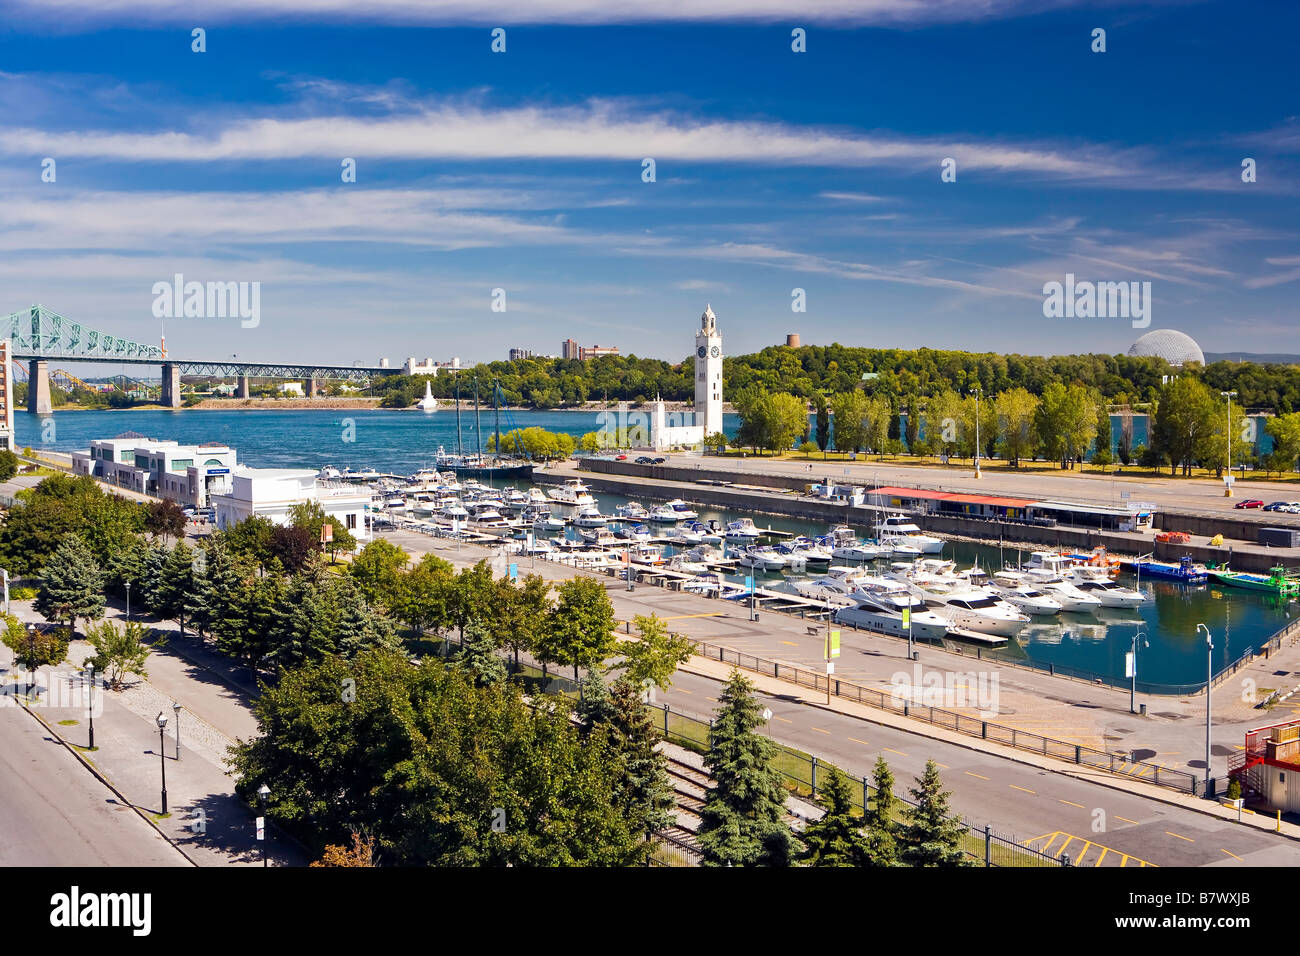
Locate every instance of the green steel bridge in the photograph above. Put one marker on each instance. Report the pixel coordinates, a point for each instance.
(38, 335)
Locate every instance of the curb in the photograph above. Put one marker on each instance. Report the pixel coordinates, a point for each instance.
(1102, 778)
(103, 778)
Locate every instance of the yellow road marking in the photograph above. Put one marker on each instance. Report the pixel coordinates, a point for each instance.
(683, 617)
(785, 719)
(791, 643)
(943, 765)
(1047, 847)
(857, 741)
(820, 731)
(1173, 834)
(1022, 789)
(1231, 854)
(1068, 841)
(1086, 847)
(1043, 837)
(1104, 851)
(892, 751)
(980, 775)
(1072, 803)
(683, 690)
(1126, 819)
(1123, 861)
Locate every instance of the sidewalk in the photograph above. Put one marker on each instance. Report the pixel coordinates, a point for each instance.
(206, 821)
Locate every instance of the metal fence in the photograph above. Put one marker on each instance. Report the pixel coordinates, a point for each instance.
(951, 720)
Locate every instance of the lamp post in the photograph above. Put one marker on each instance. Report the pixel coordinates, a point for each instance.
(1132, 695)
(262, 793)
(176, 709)
(162, 756)
(31, 658)
(91, 705)
(128, 600)
(1209, 676)
(1227, 492)
(978, 390)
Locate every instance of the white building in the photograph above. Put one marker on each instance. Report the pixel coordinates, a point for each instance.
(188, 474)
(291, 388)
(429, 366)
(272, 493)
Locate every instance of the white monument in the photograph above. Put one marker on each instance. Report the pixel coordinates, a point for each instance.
(708, 374)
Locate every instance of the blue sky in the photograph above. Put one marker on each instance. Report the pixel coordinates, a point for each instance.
(775, 170)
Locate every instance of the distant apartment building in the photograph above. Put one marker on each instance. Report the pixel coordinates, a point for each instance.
(596, 351)
(519, 354)
(429, 367)
(569, 349)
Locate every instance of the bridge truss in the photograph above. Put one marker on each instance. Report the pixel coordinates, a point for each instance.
(41, 333)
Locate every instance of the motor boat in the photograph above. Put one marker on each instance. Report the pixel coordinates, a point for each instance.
(741, 531)
(683, 510)
(707, 535)
(573, 493)
(633, 511)
(664, 515)
(486, 517)
(1064, 593)
(638, 532)
(454, 510)
(763, 558)
(847, 546)
(878, 605)
(900, 526)
(1103, 589)
(1019, 592)
(546, 522)
(705, 552)
(836, 586)
(589, 517)
(646, 553)
(683, 537)
(978, 609)
(805, 550)
(683, 564)
(601, 537)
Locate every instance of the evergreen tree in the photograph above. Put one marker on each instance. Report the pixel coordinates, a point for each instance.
(359, 626)
(837, 838)
(480, 657)
(823, 421)
(71, 584)
(882, 847)
(931, 837)
(175, 581)
(912, 430)
(150, 594)
(743, 818)
(595, 703)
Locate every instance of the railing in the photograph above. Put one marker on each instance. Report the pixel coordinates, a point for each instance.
(960, 723)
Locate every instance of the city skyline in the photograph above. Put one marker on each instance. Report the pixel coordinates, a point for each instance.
(500, 198)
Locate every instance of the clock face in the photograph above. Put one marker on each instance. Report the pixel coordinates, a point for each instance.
(715, 351)
(701, 351)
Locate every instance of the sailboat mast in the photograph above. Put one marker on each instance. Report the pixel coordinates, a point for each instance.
(496, 407)
(458, 448)
(478, 432)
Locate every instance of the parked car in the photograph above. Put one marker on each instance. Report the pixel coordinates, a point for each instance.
(620, 457)
(1250, 503)
(645, 460)
(659, 461)
(1278, 506)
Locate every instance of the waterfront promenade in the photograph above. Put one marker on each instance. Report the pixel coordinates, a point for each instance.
(1091, 715)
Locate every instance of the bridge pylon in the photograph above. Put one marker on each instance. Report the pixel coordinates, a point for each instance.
(38, 388)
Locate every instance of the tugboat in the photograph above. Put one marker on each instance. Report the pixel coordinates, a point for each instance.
(1279, 580)
(1185, 571)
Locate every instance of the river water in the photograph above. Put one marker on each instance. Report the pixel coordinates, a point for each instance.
(402, 442)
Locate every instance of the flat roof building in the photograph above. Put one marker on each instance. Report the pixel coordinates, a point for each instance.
(273, 492)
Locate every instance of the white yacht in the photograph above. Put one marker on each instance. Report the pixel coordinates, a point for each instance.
(897, 526)
(806, 550)
(573, 492)
(707, 534)
(683, 563)
(878, 605)
(646, 553)
(705, 552)
(1063, 592)
(683, 510)
(1025, 596)
(454, 510)
(589, 517)
(836, 586)
(633, 511)
(485, 517)
(1103, 589)
(761, 559)
(601, 537)
(847, 546)
(546, 522)
(978, 609)
(636, 532)
(664, 515)
(741, 531)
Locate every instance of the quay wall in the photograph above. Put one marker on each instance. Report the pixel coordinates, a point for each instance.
(661, 482)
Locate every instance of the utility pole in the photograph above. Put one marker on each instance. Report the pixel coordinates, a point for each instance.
(1227, 491)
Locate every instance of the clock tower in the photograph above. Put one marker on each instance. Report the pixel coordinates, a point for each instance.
(708, 374)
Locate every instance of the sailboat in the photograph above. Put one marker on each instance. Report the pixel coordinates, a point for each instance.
(478, 465)
(428, 403)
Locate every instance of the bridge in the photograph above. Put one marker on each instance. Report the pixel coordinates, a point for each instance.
(39, 335)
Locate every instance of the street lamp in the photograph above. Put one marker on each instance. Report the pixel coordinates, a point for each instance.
(176, 709)
(91, 705)
(1132, 694)
(31, 657)
(1209, 676)
(1227, 492)
(162, 756)
(128, 600)
(978, 391)
(262, 793)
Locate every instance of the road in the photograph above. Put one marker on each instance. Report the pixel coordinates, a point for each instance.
(1094, 825)
(57, 814)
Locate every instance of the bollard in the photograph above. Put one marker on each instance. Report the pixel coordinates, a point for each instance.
(984, 729)
(1142, 709)
(1078, 754)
